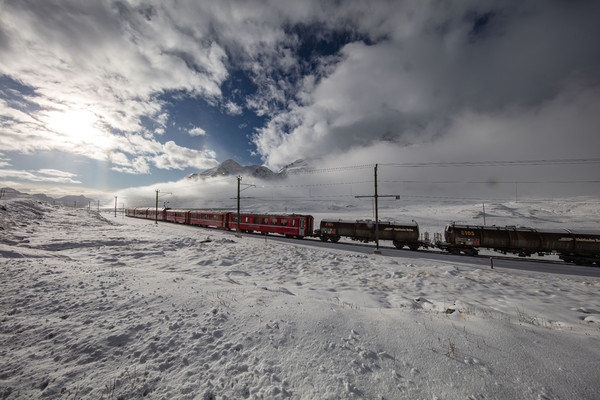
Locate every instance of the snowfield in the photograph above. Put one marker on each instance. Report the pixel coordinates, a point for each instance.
(104, 307)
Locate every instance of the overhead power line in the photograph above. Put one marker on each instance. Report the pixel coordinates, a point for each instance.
(488, 182)
(326, 170)
(564, 161)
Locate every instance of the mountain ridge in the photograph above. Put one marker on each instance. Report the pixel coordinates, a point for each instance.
(79, 201)
(231, 167)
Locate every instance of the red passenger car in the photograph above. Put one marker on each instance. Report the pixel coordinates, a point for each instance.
(294, 225)
(141, 212)
(152, 214)
(206, 218)
(178, 216)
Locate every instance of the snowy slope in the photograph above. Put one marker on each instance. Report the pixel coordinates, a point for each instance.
(103, 307)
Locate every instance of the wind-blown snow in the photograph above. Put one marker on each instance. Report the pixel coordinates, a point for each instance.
(111, 307)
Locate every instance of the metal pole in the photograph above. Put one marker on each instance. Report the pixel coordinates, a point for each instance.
(239, 179)
(483, 214)
(156, 209)
(376, 212)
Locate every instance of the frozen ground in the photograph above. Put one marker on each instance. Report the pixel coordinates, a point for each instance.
(103, 307)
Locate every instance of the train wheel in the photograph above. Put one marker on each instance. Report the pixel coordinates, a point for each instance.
(567, 259)
(335, 239)
(323, 238)
(471, 252)
(398, 245)
(413, 246)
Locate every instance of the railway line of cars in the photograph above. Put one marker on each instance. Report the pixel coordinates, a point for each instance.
(572, 246)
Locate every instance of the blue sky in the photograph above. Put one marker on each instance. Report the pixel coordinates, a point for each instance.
(101, 96)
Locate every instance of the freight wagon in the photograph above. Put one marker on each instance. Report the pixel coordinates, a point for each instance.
(580, 247)
(364, 230)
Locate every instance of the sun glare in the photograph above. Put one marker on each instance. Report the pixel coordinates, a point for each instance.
(78, 127)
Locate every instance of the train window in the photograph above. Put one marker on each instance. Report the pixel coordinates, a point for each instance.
(273, 221)
(284, 222)
(233, 219)
(293, 222)
(245, 219)
(256, 220)
(265, 220)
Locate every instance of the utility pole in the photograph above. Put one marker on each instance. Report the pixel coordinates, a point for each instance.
(376, 201)
(239, 190)
(239, 180)
(156, 208)
(376, 212)
(483, 214)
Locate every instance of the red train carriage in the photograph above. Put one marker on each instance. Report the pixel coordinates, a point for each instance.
(206, 218)
(294, 225)
(130, 212)
(141, 212)
(178, 216)
(152, 214)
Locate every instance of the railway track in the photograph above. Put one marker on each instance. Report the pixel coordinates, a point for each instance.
(420, 251)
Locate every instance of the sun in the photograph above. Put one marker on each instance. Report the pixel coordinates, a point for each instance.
(77, 127)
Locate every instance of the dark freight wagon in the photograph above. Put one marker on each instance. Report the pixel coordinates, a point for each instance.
(580, 247)
(364, 230)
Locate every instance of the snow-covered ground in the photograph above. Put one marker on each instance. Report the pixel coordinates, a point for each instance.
(97, 306)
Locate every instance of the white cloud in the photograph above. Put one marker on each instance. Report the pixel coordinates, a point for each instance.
(56, 173)
(197, 131)
(177, 157)
(233, 109)
(110, 59)
(4, 162)
(414, 75)
(39, 176)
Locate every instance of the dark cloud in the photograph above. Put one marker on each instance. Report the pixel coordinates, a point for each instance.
(486, 59)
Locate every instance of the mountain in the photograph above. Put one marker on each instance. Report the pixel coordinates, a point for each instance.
(43, 197)
(231, 167)
(296, 167)
(79, 201)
